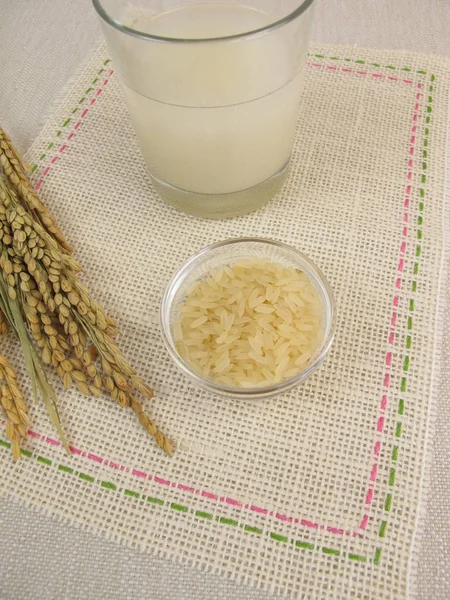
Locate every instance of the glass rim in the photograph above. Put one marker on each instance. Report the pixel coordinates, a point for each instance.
(258, 391)
(105, 16)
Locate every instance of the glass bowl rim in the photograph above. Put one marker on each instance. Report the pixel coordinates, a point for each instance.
(259, 391)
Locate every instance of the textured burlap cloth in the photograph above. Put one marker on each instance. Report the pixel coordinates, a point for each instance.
(315, 492)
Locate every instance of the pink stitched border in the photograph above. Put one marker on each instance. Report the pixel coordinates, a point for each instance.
(388, 359)
(362, 73)
(395, 303)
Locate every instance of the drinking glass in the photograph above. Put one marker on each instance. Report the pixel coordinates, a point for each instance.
(213, 89)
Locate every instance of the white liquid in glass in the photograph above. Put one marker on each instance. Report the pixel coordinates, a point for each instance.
(213, 118)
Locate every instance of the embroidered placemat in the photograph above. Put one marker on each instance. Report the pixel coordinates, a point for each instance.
(312, 493)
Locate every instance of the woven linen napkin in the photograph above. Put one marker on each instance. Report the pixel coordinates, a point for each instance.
(314, 493)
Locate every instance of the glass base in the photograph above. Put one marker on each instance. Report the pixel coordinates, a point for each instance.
(222, 206)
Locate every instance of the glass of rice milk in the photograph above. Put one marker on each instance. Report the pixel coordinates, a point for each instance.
(213, 88)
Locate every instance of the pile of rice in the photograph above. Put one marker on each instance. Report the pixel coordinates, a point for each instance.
(250, 324)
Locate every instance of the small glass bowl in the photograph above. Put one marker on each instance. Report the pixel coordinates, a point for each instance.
(225, 253)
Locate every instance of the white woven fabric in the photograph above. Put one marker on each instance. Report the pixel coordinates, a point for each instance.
(313, 492)
(35, 67)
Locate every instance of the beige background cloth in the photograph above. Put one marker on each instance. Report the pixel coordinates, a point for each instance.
(416, 27)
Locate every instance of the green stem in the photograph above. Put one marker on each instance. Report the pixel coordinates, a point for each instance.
(33, 362)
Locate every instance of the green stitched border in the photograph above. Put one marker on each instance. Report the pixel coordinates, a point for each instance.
(181, 508)
(369, 64)
(410, 320)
